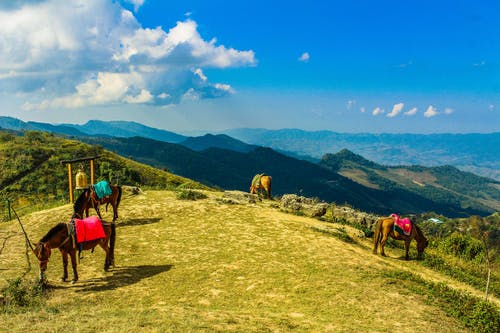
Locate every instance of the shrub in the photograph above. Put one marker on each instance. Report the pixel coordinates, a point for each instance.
(190, 195)
(20, 294)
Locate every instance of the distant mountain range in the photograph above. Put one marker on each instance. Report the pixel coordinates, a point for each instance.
(345, 177)
(477, 153)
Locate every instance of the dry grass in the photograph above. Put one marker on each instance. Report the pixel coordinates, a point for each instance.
(189, 266)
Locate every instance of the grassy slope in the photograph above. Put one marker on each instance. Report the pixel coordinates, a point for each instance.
(206, 266)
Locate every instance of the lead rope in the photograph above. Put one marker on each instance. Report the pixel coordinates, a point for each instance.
(28, 243)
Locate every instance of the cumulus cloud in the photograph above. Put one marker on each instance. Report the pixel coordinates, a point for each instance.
(411, 112)
(377, 111)
(430, 112)
(396, 109)
(304, 57)
(96, 52)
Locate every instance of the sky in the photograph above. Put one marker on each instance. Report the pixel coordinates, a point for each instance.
(205, 66)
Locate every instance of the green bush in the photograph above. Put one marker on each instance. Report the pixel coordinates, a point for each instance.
(462, 246)
(20, 294)
(190, 195)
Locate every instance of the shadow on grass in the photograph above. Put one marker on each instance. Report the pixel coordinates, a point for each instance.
(140, 221)
(122, 276)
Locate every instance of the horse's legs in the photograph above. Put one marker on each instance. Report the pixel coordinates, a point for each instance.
(86, 212)
(64, 255)
(107, 260)
(407, 248)
(115, 212)
(72, 254)
(382, 243)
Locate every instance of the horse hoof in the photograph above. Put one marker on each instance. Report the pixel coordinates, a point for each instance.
(63, 279)
(73, 281)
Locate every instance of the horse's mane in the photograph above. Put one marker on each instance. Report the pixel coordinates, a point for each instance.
(80, 202)
(53, 231)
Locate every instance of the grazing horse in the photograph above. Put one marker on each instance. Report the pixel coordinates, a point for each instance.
(261, 182)
(385, 228)
(62, 238)
(89, 199)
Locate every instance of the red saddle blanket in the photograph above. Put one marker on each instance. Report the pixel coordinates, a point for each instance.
(88, 229)
(402, 225)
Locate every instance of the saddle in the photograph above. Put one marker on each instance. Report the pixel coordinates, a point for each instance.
(402, 225)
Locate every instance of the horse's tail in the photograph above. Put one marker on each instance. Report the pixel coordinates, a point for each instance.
(119, 196)
(377, 234)
(112, 239)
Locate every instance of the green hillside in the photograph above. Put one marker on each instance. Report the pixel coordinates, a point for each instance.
(444, 184)
(31, 169)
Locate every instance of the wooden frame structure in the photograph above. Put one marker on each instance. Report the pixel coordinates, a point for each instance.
(70, 172)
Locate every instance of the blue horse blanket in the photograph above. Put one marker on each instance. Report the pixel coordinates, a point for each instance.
(102, 189)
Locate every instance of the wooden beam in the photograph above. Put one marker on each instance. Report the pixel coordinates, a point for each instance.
(80, 159)
(70, 180)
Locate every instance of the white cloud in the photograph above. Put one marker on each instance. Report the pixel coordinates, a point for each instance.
(430, 112)
(448, 110)
(377, 111)
(396, 109)
(96, 52)
(362, 109)
(350, 103)
(491, 107)
(304, 57)
(137, 4)
(411, 112)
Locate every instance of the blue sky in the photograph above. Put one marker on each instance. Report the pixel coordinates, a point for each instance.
(188, 66)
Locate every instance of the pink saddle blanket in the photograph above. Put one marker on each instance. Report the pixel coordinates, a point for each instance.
(88, 229)
(402, 225)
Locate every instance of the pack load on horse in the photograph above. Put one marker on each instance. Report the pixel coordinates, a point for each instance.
(399, 229)
(261, 182)
(96, 195)
(76, 235)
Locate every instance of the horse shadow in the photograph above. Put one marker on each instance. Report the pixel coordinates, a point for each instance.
(123, 276)
(138, 221)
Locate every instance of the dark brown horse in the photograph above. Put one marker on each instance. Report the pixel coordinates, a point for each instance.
(89, 199)
(261, 182)
(385, 228)
(60, 237)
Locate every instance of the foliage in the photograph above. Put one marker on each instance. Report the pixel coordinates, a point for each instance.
(480, 316)
(190, 195)
(21, 294)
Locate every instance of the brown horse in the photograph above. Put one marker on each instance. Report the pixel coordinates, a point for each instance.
(385, 228)
(261, 182)
(60, 237)
(89, 199)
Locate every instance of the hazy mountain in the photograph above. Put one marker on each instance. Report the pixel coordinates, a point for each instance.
(478, 153)
(217, 141)
(234, 170)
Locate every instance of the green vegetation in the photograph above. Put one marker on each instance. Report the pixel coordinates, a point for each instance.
(32, 177)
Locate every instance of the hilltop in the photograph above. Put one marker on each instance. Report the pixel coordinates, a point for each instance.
(209, 266)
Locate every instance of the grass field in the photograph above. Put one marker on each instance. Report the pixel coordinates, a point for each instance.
(205, 266)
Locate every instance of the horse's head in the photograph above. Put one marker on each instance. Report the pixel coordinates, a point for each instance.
(422, 243)
(42, 252)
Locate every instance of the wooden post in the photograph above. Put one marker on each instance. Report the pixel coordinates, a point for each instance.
(70, 179)
(92, 182)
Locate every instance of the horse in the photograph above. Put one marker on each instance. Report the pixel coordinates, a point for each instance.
(385, 228)
(89, 199)
(61, 237)
(261, 182)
